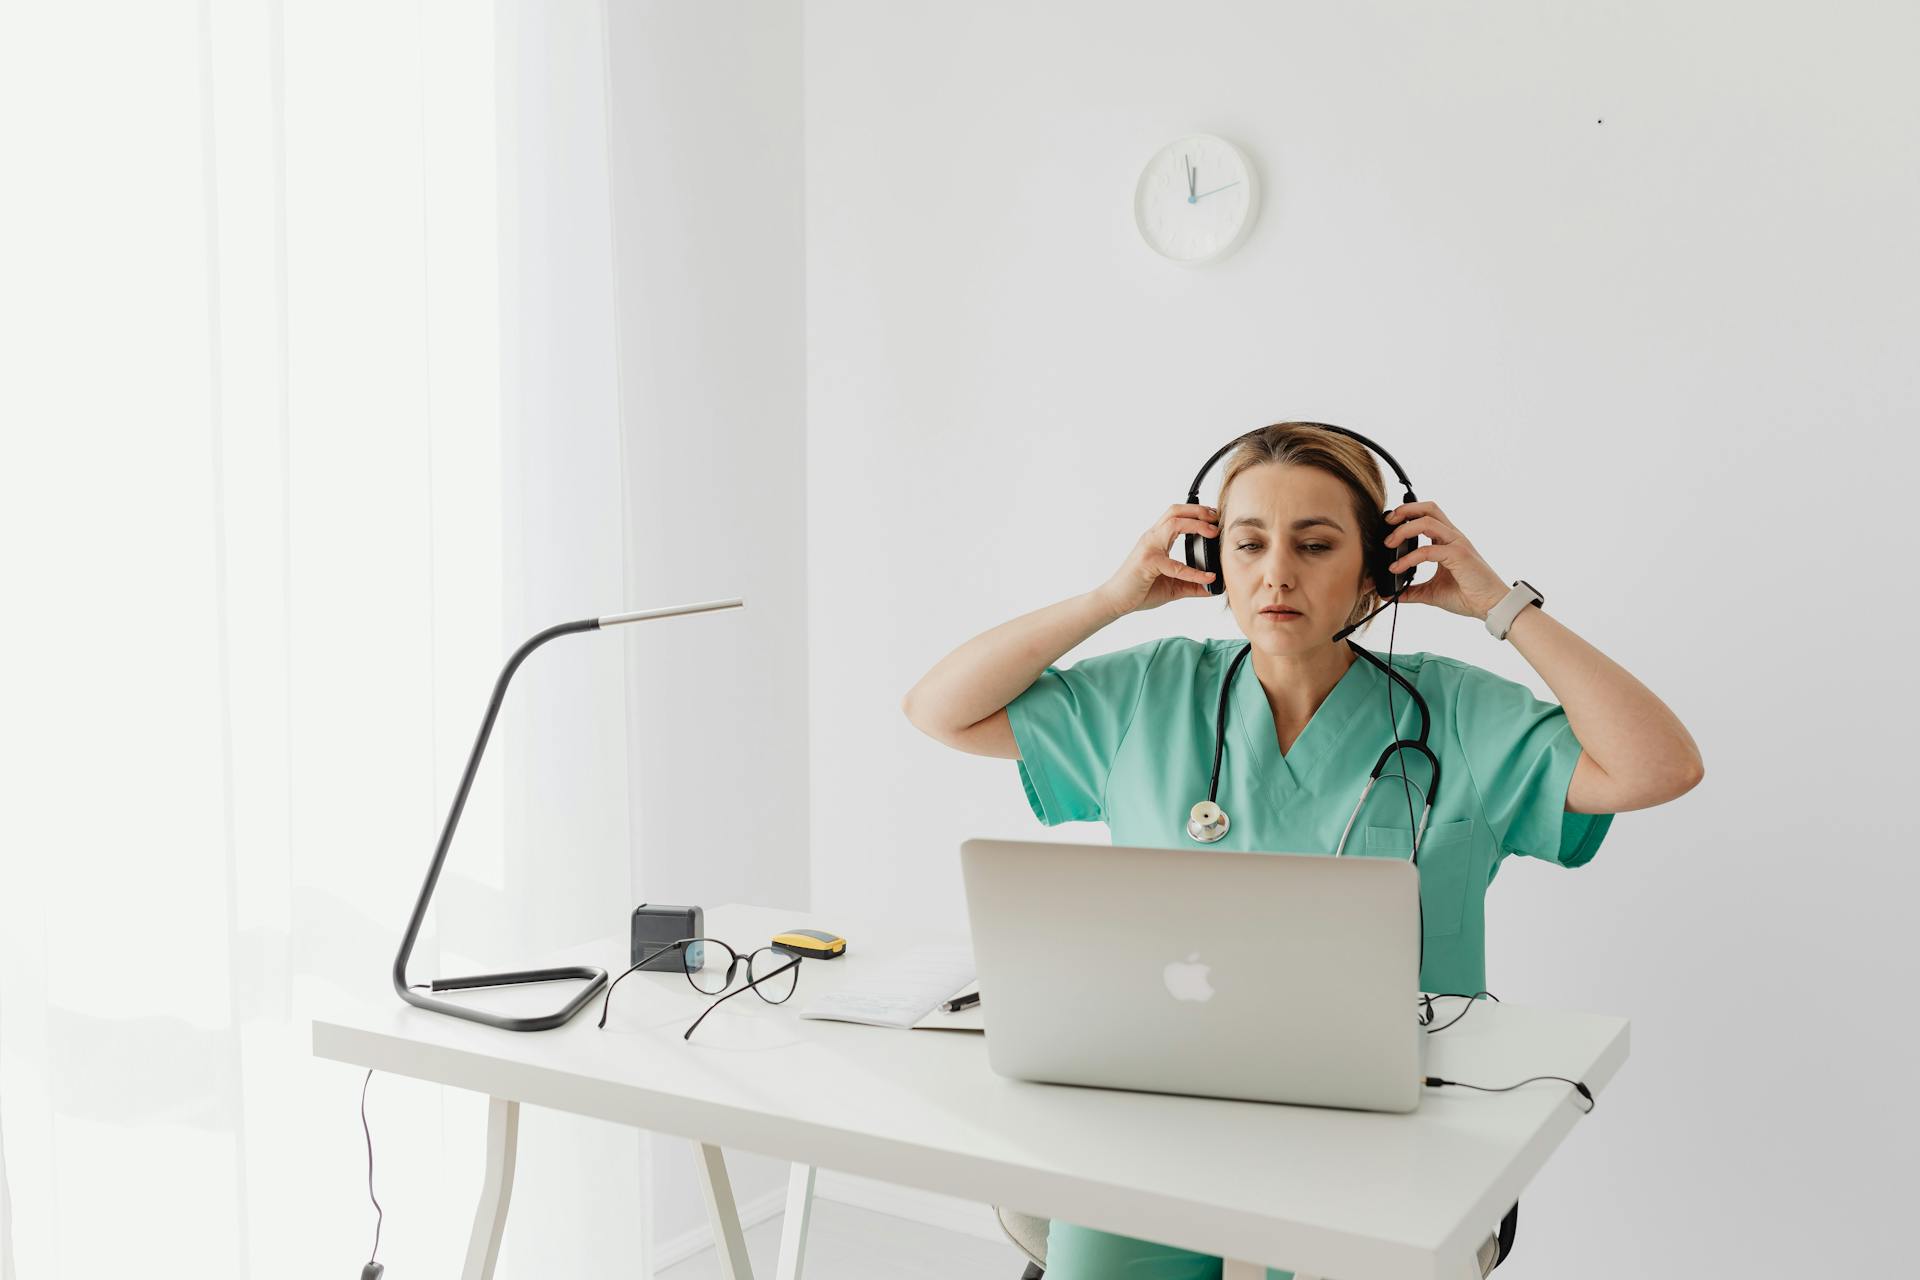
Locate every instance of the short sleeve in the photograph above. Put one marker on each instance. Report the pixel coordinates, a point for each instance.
(1522, 752)
(1069, 724)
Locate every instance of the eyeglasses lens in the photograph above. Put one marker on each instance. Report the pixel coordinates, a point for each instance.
(709, 969)
(777, 987)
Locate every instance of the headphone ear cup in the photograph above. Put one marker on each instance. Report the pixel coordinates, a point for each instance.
(1380, 555)
(1210, 561)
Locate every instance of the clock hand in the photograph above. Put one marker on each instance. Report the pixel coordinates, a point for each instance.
(1193, 176)
(1204, 194)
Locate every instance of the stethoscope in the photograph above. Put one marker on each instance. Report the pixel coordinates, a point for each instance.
(1208, 822)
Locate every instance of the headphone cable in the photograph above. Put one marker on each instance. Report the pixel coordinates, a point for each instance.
(1393, 727)
(1425, 1017)
(1437, 1082)
(1406, 783)
(1586, 1093)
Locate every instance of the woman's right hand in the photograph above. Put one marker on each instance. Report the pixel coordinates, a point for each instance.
(1150, 577)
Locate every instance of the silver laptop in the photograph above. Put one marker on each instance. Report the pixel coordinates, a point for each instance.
(1271, 977)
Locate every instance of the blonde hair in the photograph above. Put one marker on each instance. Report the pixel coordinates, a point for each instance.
(1310, 444)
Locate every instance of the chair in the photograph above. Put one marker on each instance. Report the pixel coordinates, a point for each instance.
(1029, 1235)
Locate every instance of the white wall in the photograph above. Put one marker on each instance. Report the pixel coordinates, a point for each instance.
(706, 172)
(1629, 291)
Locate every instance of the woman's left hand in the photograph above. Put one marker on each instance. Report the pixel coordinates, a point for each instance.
(1465, 583)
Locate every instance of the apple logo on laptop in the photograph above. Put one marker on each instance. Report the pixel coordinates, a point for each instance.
(1188, 980)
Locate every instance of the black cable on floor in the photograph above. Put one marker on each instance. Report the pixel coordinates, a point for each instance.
(376, 1200)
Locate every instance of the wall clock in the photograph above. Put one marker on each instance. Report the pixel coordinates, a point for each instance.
(1196, 199)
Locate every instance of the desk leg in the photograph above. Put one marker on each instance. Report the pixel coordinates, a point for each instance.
(793, 1228)
(729, 1243)
(490, 1218)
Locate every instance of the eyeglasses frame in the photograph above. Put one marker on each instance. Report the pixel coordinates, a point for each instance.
(733, 966)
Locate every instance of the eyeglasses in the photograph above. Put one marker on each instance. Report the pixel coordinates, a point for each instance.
(772, 974)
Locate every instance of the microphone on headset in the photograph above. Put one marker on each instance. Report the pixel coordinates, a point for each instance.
(1346, 631)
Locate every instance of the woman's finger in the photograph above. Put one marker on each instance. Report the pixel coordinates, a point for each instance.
(1438, 552)
(1183, 525)
(1434, 528)
(1175, 569)
(1174, 523)
(1410, 509)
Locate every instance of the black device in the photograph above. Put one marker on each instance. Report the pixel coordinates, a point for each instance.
(655, 925)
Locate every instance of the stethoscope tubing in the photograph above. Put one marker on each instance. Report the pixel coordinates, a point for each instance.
(1399, 745)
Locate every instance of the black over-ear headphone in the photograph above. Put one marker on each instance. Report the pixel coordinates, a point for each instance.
(1378, 555)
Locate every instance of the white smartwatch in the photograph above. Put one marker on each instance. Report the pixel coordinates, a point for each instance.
(1519, 596)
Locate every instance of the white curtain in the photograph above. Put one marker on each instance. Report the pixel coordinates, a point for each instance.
(310, 417)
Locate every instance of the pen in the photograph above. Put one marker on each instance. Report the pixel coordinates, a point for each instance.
(961, 1002)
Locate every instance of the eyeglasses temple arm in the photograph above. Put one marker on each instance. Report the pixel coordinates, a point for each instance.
(605, 1003)
(731, 994)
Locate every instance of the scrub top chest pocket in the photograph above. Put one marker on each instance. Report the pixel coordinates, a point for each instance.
(1447, 854)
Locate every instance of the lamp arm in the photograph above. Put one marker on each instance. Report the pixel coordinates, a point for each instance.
(440, 857)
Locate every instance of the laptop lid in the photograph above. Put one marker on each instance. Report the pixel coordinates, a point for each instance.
(1272, 977)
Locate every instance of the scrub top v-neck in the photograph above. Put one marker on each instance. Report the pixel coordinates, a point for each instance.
(1126, 738)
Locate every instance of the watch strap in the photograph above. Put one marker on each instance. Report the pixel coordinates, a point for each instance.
(1521, 594)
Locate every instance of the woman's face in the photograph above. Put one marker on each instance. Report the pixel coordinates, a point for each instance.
(1288, 537)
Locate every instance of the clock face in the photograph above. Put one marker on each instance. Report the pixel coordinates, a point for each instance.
(1195, 199)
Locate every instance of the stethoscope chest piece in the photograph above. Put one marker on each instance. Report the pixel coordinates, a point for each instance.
(1207, 822)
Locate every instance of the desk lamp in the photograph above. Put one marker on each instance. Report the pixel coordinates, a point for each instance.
(594, 978)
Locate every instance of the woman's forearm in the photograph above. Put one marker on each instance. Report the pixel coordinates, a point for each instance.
(1630, 735)
(995, 667)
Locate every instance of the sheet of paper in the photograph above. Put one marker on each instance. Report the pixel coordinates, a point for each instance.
(900, 992)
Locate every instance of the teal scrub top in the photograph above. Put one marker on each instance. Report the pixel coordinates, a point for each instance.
(1126, 738)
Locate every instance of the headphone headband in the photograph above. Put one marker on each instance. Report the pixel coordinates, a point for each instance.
(1193, 493)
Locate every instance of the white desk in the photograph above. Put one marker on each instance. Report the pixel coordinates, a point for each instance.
(1348, 1194)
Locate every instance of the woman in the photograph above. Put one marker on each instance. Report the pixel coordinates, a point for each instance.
(1127, 738)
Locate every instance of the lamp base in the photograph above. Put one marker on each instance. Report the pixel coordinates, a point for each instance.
(596, 980)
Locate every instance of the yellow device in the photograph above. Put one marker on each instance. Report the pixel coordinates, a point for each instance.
(815, 944)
